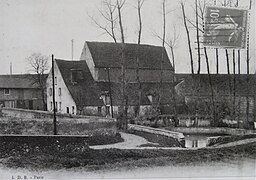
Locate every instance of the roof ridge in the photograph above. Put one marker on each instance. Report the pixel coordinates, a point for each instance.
(129, 43)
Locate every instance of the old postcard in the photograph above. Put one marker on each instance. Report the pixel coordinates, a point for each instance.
(127, 89)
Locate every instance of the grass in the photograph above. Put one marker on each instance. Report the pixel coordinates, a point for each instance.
(117, 158)
(233, 138)
(18, 155)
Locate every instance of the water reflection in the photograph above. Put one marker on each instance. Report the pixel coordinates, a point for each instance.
(197, 140)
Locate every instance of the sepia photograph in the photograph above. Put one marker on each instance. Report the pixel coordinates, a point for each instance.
(127, 89)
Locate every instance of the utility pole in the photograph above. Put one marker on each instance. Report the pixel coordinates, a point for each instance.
(72, 49)
(110, 94)
(53, 98)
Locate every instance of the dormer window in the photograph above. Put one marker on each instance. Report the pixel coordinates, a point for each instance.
(6, 91)
(76, 75)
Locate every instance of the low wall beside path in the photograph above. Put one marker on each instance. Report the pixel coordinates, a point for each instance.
(37, 114)
(209, 130)
(176, 139)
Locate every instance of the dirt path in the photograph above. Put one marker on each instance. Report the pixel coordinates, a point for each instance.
(132, 141)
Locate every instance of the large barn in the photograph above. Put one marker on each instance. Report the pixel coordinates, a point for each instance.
(89, 85)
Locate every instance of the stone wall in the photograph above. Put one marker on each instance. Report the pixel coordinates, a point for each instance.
(27, 122)
(175, 136)
(204, 130)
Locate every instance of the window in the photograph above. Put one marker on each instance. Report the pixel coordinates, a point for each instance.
(67, 110)
(59, 106)
(56, 106)
(99, 110)
(73, 109)
(55, 80)
(51, 106)
(59, 91)
(50, 91)
(107, 110)
(7, 91)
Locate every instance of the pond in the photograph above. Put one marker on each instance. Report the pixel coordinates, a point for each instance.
(198, 140)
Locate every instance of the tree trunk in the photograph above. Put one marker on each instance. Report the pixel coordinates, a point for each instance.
(188, 38)
(247, 79)
(239, 79)
(234, 85)
(124, 107)
(173, 89)
(198, 43)
(217, 60)
(211, 87)
(248, 72)
(139, 5)
(228, 70)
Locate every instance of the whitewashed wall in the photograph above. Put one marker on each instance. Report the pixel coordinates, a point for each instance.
(65, 98)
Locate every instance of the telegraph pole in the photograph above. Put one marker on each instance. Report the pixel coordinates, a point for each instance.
(53, 98)
(110, 94)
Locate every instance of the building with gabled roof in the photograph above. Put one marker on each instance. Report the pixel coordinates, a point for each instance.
(102, 55)
(20, 91)
(74, 87)
(82, 87)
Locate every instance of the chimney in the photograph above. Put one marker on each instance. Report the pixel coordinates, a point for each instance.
(72, 48)
(11, 68)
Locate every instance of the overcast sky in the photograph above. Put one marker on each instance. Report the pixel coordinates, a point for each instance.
(47, 27)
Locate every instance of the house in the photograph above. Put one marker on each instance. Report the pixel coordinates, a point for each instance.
(100, 56)
(20, 91)
(85, 86)
(227, 90)
(74, 88)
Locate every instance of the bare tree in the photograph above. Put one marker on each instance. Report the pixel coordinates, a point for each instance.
(217, 52)
(217, 60)
(124, 107)
(199, 26)
(139, 7)
(108, 13)
(234, 85)
(112, 14)
(39, 66)
(248, 72)
(162, 51)
(172, 43)
(188, 36)
(197, 38)
(215, 122)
